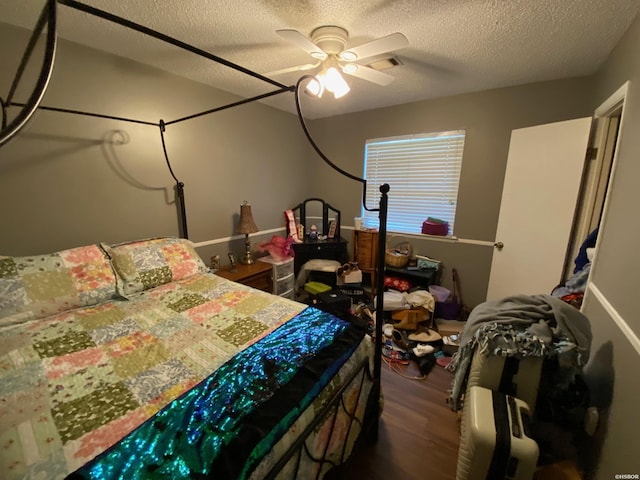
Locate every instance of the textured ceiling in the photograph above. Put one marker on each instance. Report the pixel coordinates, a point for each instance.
(455, 46)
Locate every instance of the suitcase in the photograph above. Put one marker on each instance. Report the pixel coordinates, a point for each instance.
(518, 377)
(495, 441)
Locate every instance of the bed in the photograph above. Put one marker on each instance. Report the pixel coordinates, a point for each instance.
(134, 361)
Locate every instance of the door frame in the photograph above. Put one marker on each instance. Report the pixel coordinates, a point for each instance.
(597, 177)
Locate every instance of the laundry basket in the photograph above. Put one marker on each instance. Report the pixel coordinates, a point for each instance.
(398, 254)
(441, 294)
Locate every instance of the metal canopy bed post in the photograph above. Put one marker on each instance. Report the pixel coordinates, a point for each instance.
(8, 131)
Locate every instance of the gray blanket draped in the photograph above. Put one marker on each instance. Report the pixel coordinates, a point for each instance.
(522, 325)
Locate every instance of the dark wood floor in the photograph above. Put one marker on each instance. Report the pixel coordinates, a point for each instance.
(418, 435)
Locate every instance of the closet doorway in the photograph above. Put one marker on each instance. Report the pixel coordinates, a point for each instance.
(596, 176)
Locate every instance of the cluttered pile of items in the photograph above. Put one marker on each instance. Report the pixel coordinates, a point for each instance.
(413, 333)
(331, 286)
(421, 322)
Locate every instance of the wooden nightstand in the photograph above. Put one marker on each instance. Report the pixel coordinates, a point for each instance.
(256, 275)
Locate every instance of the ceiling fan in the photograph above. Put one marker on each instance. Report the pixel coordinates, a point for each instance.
(328, 46)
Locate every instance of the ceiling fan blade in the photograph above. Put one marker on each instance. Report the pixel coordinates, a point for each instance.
(298, 68)
(303, 42)
(395, 41)
(368, 74)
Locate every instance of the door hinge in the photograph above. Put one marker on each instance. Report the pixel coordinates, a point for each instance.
(592, 153)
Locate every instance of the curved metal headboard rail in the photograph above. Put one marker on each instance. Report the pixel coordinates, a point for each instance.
(383, 207)
(49, 17)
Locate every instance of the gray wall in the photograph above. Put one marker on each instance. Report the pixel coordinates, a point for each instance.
(488, 118)
(611, 304)
(69, 180)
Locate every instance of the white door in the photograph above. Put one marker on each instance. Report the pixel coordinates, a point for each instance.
(541, 185)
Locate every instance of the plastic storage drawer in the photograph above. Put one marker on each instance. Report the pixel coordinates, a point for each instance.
(283, 285)
(282, 269)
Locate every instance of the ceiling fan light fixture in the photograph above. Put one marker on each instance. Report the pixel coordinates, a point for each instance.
(348, 56)
(335, 83)
(315, 86)
(329, 78)
(327, 44)
(350, 68)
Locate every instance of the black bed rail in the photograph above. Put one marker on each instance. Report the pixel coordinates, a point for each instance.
(165, 38)
(299, 447)
(48, 17)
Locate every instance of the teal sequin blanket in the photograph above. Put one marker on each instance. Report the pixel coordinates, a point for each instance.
(223, 426)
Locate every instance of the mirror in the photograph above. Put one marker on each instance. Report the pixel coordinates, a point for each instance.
(314, 215)
(315, 211)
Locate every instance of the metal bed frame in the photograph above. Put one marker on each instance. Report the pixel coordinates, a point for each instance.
(299, 447)
(48, 18)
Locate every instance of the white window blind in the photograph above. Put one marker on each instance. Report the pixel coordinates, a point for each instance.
(423, 172)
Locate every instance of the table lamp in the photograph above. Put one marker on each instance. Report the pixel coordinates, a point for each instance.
(247, 226)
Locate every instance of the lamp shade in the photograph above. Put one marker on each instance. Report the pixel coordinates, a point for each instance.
(247, 225)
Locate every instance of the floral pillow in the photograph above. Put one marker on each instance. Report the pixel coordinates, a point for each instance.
(42, 285)
(145, 264)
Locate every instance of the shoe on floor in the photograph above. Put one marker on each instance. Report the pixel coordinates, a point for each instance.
(421, 350)
(425, 336)
(391, 345)
(395, 356)
(400, 339)
(410, 318)
(426, 363)
(387, 329)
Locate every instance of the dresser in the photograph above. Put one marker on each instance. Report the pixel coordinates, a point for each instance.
(315, 211)
(365, 252)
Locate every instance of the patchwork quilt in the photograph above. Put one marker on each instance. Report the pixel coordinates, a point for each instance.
(72, 384)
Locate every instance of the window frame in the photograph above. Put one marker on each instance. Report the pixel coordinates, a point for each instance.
(435, 162)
